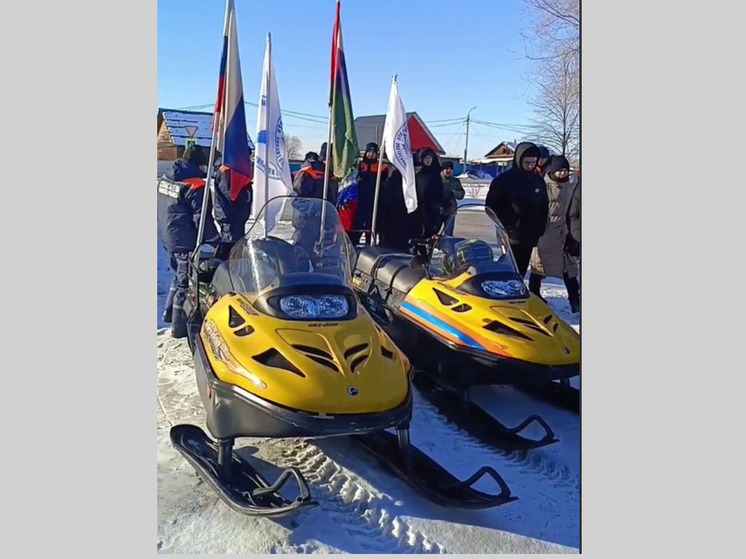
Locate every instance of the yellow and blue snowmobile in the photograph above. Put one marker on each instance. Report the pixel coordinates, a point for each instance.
(459, 309)
(283, 349)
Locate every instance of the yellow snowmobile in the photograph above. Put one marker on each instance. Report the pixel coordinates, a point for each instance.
(283, 349)
(461, 312)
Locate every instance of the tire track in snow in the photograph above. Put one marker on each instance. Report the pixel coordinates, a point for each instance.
(528, 462)
(358, 511)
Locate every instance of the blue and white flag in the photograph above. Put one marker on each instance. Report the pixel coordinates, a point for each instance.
(271, 165)
(397, 147)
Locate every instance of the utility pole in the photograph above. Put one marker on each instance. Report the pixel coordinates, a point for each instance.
(466, 146)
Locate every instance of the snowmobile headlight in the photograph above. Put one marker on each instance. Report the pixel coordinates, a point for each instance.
(500, 289)
(314, 306)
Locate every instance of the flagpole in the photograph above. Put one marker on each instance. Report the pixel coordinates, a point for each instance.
(374, 229)
(378, 183)
(211, 159)
(266, 127)
(208, 189)
(331, 106)
(325, 195)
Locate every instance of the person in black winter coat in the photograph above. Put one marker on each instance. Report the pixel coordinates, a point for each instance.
(519, 199)
(180, 195)
(394, 226)
(366, 190)
(430, 195)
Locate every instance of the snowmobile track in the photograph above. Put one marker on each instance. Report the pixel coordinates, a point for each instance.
(356, 510)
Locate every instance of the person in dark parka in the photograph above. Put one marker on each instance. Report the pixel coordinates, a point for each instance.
(180, 197)
(394, 226)
(430, 195)
(519, 199)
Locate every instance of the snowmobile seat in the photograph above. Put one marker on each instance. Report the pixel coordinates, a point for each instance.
(398, 273)
(373, 257)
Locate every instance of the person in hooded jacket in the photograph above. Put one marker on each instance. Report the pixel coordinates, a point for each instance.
(366, 190)
(519, 199)
(180, 195)
(430, 195)
(551, 257)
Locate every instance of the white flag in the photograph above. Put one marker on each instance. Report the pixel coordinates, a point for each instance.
(271, 165)
(396, 145)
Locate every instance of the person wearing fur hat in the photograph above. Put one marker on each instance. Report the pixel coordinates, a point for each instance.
(366, 190)
(519, 199)
(553, 255)
(180, 194)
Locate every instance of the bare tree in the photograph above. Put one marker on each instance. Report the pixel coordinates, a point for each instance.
(553, 45)
(294, 147)
(557, 113)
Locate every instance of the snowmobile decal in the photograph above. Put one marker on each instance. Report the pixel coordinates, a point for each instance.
(430, 320)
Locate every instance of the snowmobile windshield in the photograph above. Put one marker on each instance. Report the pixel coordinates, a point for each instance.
(304, 245)
(477, 241)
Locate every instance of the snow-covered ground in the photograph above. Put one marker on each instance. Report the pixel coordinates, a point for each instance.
(362, 508)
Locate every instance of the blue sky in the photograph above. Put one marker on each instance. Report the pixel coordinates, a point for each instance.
(449, 56)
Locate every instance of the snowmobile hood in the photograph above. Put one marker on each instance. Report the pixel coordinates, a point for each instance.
(344, 367)
(518, 328)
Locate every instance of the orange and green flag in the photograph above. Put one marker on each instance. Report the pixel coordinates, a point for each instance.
(344, 139)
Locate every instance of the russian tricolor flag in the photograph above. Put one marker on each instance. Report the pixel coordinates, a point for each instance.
(232, 138)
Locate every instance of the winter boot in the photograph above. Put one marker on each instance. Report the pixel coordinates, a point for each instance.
(168, 310)
(574, 306)
(179, 326)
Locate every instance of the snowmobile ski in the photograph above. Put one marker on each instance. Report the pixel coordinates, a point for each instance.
(428, 477)
(238, 483)
(558, 393)
(474, 420)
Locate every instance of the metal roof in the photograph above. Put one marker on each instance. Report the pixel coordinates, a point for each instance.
(183, 125)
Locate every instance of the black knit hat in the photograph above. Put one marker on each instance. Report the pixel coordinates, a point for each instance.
(195, 155)
(556, 163)
(543, 152)
(371, 146)
(447, 165)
